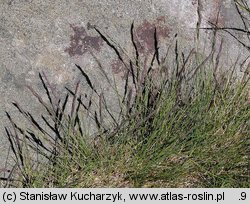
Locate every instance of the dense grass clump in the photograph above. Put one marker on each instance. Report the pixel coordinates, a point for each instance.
(200, 142)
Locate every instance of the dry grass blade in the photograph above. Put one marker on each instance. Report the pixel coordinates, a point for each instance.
(176, 57)
(40, 99)
(63, 107)
(74, 99)
(38, 141)
(100, 67)
(217, 60)
(48, 124)
(133, 73)
(227, 29)
(97, 121)
(156, 47)
(80, 101)
(87, 78)
(33, 121)
(215, 28)
(52, 89)
(199, 8)
(77, 110)
(110, 45)
(47, 90)
(129, 101)
(134, 44)
(125, 87)
(16, 140)
(185, 62)
(107, 109)
(86, 107)
(100, 108)
(152, 63)
(77, 121)
(20, 109)
(243, 19)
(9, 137)
(199, 66)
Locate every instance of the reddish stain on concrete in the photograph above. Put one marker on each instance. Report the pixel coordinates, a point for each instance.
(145, 42)
(194, 2)
(117, 66)
(81, 42)
(220, 21)
(161, 19)
(144, 34)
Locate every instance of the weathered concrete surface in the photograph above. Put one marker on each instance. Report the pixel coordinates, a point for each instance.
(51, 36)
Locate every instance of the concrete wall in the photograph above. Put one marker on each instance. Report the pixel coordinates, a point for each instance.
(53, 35)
